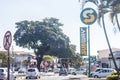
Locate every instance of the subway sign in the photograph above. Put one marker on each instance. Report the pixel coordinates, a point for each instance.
(83, 41)
(88, 16)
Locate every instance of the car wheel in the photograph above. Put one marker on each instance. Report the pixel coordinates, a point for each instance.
(36, 77)
(96, 76)
(73, 73)
(90, 75)
(39, 77)
(26, 77)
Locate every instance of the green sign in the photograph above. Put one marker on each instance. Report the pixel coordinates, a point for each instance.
(88, 16)
(83, 41)
(92, 59)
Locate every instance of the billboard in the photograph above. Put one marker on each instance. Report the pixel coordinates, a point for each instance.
(83, 41)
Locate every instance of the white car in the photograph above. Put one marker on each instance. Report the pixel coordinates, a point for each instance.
(78, 71)
(32, 73)
(4, 74)
(22, 71)
(103, 73)
(56, 70)
(97, 70)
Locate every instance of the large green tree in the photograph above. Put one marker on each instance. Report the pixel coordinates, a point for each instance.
(75, 60)
(44, 37)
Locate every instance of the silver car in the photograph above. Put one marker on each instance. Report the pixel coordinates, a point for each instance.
(97, 70)
(32, 73)
(103, 73)
(63, 71)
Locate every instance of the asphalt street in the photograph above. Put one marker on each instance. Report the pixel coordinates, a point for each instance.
(52, 76)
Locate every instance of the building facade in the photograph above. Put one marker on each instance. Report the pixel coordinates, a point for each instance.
(105, 59)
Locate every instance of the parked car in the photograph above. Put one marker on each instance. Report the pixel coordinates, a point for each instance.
(22, 71)
(83, 70)
(4, 74)
(103, 73)
(70, 70)
(32, 73)
(17, 68)
(50, 70)
(97, 70)
(56, 70)
(78, 71)
(63, 71)
(73, 71)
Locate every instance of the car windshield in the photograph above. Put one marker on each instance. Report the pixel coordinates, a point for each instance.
(31, 70)
(98, 70)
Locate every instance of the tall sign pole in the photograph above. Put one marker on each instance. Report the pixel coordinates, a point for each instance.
(88, 16)
(7, 43)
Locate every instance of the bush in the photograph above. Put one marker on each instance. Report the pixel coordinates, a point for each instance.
(113, 76)
(115, 73)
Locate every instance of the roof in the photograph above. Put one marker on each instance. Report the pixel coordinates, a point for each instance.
(108, 51)
(105, 53)
(24, 53)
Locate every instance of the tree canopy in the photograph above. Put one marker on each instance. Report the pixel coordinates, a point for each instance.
(44, 37)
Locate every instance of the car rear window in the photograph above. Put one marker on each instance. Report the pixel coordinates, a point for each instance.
(1, 70)
(31, 70)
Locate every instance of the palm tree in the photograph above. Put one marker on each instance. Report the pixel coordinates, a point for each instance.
(115, 6)
(102, 10)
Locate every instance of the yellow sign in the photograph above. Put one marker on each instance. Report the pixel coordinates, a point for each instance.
(83, 41)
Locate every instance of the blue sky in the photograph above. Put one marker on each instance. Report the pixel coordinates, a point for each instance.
(67, 11)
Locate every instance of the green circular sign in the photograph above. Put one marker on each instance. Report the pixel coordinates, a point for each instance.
(88, 16)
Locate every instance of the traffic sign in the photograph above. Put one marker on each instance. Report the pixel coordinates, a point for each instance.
(88, 16)
(7, 40)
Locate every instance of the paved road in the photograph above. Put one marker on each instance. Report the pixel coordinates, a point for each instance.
(51, 76)
(46, 77)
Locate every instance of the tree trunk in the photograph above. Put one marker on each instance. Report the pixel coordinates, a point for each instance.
(39, 60)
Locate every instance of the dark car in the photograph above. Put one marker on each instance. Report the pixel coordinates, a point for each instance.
(63, 71)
